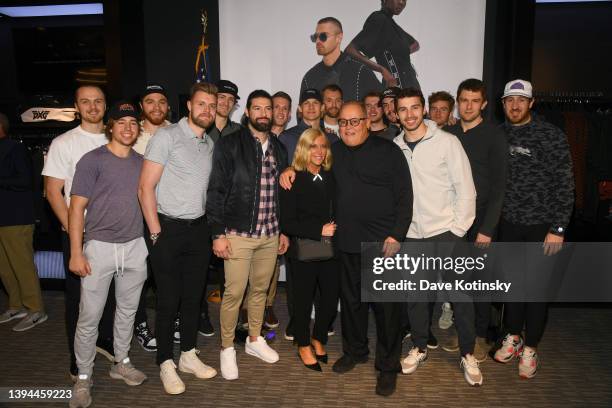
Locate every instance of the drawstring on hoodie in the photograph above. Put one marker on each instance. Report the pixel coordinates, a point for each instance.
(117, 260)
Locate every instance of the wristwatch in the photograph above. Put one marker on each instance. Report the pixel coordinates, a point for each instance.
(557, 230)
(154, 236)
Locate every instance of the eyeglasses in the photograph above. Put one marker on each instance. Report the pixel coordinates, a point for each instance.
(321, 36)
(353, 121)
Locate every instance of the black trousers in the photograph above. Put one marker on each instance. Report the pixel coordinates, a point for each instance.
(482, 308)
(180, 266)
(322, 277)
(531, 316)
(354, 319)
(72, 299)
(420, 312)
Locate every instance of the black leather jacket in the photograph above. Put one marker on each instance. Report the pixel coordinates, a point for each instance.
(232, 199)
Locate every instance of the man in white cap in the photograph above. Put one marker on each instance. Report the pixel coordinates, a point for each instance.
(537, 207)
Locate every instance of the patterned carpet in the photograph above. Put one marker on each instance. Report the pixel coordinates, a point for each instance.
(576, 371)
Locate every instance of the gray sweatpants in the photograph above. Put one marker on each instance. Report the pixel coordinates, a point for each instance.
(127, 263)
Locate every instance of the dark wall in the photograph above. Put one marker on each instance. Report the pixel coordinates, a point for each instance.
(572, 50)
(173, 35)
(507, 47)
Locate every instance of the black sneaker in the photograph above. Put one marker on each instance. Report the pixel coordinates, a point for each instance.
(74, 372)
(145, 337)
(177, 331)
(205, 327)
(105, 348)
(385, 384)
(270, 319)
(432, 342)
(346, 363)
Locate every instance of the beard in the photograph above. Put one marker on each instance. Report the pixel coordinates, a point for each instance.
(155, 120)
(332, 112)
(261, 126)
(203, 122)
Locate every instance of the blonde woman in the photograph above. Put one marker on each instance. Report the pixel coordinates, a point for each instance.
(307, 212)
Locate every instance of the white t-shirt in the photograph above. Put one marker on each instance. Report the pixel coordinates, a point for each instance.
(332, 128)
(143, 139)
(66, 150)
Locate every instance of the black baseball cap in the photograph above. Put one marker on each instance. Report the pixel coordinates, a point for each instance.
(228, 87)
(391, 92)
(122, 109)
(310, 93)
(153, 88)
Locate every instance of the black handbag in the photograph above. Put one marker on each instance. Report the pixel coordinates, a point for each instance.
(310, 250)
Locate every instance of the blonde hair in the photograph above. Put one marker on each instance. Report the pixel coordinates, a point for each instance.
(301, 157)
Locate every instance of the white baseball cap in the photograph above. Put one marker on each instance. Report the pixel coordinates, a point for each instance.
(518, 87)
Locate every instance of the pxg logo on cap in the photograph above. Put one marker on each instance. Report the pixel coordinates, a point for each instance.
(518, 87)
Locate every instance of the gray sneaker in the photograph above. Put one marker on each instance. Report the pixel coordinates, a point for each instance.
(125, 371)
(81, 393)
(12, 314)
(446, 318)
(31, 320)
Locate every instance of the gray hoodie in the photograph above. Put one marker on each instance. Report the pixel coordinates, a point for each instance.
(444, 192)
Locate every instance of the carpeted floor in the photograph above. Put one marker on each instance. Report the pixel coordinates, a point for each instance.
(576, 371)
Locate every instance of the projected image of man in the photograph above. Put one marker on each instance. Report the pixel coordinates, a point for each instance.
(353, 77)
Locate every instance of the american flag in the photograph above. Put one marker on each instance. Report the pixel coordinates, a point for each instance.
(202, 62)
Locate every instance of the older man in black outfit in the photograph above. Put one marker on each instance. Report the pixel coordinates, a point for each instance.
(373, 172)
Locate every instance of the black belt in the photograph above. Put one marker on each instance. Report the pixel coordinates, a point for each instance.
(195, 221)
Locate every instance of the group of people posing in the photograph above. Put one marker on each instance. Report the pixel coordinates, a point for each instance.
(374, 170)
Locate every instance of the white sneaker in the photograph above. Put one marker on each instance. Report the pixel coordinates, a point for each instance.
(528, 363)
(471, 371)
(172, 382)
(260, 349)
(412, 361)
(81, 392)
(511, 347)
(190, 363)
(229, 368)
(446, 318)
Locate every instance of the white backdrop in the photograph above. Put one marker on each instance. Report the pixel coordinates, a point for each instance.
(264, 44)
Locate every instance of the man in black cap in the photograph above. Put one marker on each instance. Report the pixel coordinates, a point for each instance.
(388, 104)
(226, 100)
(154, 107)
(310, 108)
(106, 185)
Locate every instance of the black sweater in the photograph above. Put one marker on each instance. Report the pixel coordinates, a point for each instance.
(373, 193)
(16, 197)
(308, 205)
(487, 149)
